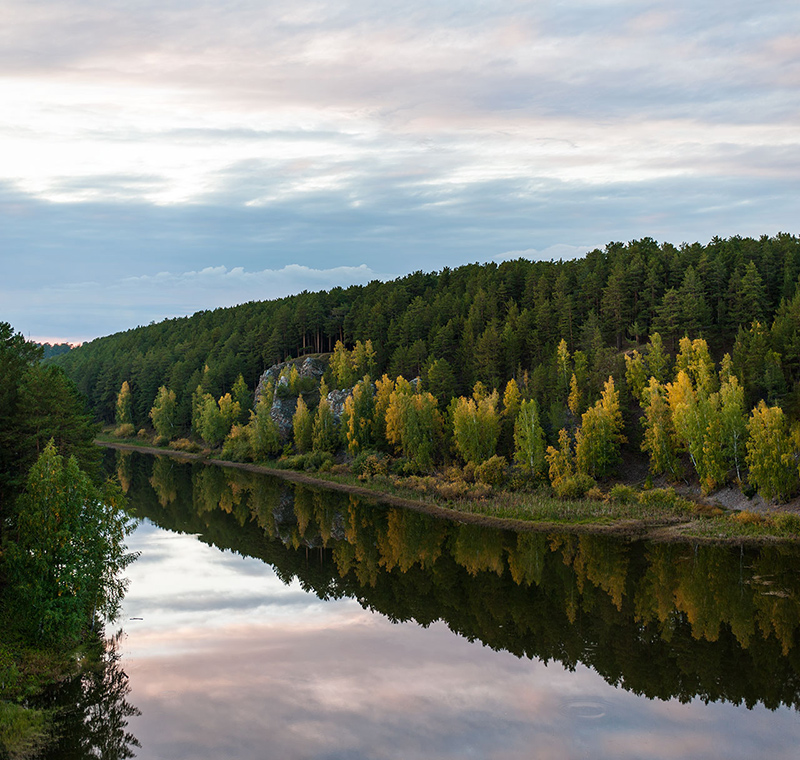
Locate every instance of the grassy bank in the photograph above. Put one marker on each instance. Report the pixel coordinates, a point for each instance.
(661, 514)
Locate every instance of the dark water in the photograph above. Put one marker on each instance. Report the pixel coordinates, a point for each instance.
(269, 620)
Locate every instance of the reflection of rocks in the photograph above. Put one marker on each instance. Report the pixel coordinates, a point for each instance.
(283, 511)
(338, 530)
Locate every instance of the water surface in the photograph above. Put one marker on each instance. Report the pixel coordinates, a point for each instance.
(270, 620)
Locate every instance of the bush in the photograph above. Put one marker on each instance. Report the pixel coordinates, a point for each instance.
(160, 440)
(184, 444)
(573, 486)
(622, 494)
(595, 493)
(664, 498)
(493, 472)
(238, 445)
(788, 522)
(126, 430)
(143, 435)
(368, 464)
(746, 517)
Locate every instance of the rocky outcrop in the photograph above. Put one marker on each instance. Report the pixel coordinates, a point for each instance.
(311, 366)
(336, 401)
(284, 404)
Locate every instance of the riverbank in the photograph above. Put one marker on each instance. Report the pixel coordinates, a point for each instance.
(656, 514)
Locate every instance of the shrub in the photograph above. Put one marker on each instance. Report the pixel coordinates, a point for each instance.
(368, 464)
(238, 445)
(184, 444)
(142, 435)
(493, 471)
(126, 430)
(664, 498)
(573, 486)
(622, 494)
(595, 493)
(745, 517)
(788, 522)
(160, 440)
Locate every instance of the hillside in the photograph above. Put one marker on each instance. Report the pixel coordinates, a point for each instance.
(485, 322)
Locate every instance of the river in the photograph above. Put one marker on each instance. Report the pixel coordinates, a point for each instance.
(268, 620)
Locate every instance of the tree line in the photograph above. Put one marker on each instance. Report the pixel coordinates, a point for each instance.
(688, 355)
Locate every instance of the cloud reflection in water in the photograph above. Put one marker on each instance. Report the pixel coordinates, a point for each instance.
(228, 662)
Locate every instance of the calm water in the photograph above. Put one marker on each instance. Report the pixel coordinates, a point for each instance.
(270, 621)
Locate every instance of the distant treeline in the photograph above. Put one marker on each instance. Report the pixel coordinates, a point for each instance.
(488, 323)
(49, 350)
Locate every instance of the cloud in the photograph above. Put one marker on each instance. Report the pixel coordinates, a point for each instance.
(140, 137)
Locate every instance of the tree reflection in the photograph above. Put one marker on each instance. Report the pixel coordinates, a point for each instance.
(662, 620)
(92, 712)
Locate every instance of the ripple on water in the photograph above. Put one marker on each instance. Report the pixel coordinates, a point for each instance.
(586, 709)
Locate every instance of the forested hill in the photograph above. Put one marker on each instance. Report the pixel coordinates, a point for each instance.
(485, 322)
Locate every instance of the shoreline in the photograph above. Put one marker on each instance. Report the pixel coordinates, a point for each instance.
(664, 531)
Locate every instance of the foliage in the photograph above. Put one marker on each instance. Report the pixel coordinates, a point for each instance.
(598, 441)
(67, 549)
(529, 441)
(413, 424)
(493, 471)
(325, 432)
(124, 405)
(770, 455)
(164, 413)
(476, 427)
(303, 427)
(567, 482)
(359, 411)
(659, 433)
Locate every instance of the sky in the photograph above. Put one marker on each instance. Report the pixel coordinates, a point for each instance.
(161, 158)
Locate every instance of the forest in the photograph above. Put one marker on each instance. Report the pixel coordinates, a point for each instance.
(688, 356)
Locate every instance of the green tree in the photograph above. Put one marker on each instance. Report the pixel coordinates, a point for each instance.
(241, 395)
(68, 549)
(164, 413)
(659, 435)
(265, 437)
(124, 405)
(303, 427)
(770, 453)
(529, 442)
(598, 440)
(359, 412)
(476, 428)
(414, 424)
(325, 433)
(733, 422)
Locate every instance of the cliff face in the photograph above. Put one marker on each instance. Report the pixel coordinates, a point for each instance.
(284, 403)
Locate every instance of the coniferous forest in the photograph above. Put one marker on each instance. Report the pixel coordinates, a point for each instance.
(688, 356)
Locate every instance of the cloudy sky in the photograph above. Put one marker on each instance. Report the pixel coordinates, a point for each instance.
(160, 158)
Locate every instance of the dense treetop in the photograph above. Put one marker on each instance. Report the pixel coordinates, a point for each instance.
(486, 322)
